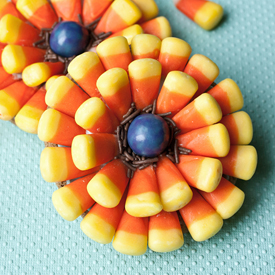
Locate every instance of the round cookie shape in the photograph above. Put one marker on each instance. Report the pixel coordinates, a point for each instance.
(148, 135)
(68, 39)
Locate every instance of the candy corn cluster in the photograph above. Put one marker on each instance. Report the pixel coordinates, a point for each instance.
(23, 63)
(146, 209)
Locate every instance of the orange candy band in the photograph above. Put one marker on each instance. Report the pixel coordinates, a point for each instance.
(190, 8)
(67, 10)
(144, 180)
(58, 128)
(72, 96)
(93, 9)
(6, 79)
(201, 79)
(79, 188)
(164, 221)
(10, 8)
(40, 15)
(196, 209)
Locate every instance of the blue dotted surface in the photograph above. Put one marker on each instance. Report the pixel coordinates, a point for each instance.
(34, 239)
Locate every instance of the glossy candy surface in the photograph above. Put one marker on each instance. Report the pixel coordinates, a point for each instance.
(148, 135)
(69, 39)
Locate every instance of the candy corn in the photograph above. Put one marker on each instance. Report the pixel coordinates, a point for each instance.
(73, 199)
(145, 46)
(201, 172)
(56, 164)
(50, 81)
(239, 127)
(143, 196)
(148, 8)
(38, 12)
(165, 232)
(89, 151)
(210, 141)
(28, 117)
(202, 111)
(13, 98)
(129, 33)
(227, 199)
(120, 15)
(206, 14)
(101, 223)
(241, 162)
(65, 96)
(108, 185)
(201, 219)
(85, 69)
(159, 27)
(93, 9)
(6, 7)
(174, 54)
(6, 79)
(16, 58)
(131, 235)
(37, 73)
(114, 53)
(203, 70)
(56, 127)
(15, 31)
(174, 191)
(177, 90)
(94, 116)
(145, 75)
(228, 95)
(67, 10)
(114, 86)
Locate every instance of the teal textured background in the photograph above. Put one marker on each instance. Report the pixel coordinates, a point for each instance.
(34, 239)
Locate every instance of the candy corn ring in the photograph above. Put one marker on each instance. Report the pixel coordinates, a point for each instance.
(59, 31)
(147, 153)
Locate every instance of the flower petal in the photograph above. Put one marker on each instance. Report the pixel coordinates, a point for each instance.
(109, 184)
(174, 191)
(145, 75)
(56, 127)
(13, 98)
(143, 196)
(203, 70)
(65, 96)
(201, 172)
(114, 86)
(67, 10)
(202, 221)
(89, 151)
(174, 54)
(165, 232)
(201, 112)
(72, 200)
(210, 141)
(94, 116)
(226, 199)
(241, 162)
(101, 223)
(131, 235)
(28, 117)
(56, 164)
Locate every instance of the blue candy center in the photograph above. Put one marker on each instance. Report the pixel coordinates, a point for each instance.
(148, 135)
(68, 39)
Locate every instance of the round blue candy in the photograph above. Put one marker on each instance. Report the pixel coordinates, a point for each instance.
(68, 39)
(148, 135)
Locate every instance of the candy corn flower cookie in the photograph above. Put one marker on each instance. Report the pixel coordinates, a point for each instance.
(145, 140)
(38, 39)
